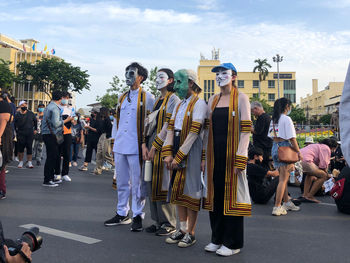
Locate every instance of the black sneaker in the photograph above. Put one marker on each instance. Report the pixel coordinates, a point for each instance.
(2, 195)
(50, 184)
(118, 220)
(38, 163)
(152, 229)
(165, 230)
(175, 237)
(136, 224)
(187, 240)
(57, 181)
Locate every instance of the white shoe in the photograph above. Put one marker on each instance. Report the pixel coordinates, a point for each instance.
(16, 159)
(211, 247)
(75, 164)
(66, 178)
(20, 165)
(30, 165)
(226, 252)
(278, 211)
(290, 206)
(58, 177)
(50, 184)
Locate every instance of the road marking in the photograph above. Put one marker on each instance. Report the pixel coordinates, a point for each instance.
(327, 204)
(67, 235)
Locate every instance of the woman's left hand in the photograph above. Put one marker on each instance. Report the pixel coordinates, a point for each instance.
(174, 165)
(238, 171)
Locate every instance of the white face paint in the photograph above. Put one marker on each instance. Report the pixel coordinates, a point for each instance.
(130, 76)
(223, 77)
(161, 80)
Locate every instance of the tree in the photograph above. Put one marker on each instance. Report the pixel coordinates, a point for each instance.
(262, 67)
(150, 83)
(297, 114)
(53, 74)
(110, 99)
(7, 77)
(326, 119)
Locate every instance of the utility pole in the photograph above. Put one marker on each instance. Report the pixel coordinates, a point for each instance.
(278, 59)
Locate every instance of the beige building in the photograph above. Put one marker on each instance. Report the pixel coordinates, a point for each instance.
(247, 82)
(322, 102)
(24, 50)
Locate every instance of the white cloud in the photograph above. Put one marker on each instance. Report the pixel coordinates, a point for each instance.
(104, 37)
(207, 4)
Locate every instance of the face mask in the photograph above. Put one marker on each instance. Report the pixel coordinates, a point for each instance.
(111, 117)
(161, 80)
(223, 77)
(64, 101)
(289, 112)
(92, 115)
(130, 76)
(75, 118)
(181, 83)
(41, 109)
(258, 162)
(23, 108)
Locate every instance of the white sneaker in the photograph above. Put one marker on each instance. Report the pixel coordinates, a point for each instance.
(290, 206)
(16, 159)
(211, 247)
(50, 184)
(20, 165)
(66, 178)
(30, 165)
(58, 177)
(226, 252)
(278, 211)
(75, 164)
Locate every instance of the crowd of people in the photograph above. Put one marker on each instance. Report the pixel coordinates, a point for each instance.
(200, 154)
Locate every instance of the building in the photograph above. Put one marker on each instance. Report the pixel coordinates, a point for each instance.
(247, 82)
(322, 102)
(24, 50)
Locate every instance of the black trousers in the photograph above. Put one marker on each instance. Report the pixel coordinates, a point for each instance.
(52, 154)
(90, 146)
(65, 151)
(266, 192)
(25, 141)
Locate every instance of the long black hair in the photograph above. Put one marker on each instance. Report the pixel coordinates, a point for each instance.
(279, 107)
(170, 73)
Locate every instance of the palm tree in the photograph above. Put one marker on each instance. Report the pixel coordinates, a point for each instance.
(262, 67)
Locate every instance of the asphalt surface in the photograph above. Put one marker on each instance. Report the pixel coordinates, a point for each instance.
(317, 233)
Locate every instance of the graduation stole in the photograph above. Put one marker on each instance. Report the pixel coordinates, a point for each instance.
(157, 177)
(232, 145)
(141, 114)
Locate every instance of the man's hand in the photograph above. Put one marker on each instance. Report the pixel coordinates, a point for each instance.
(144, 152)
(168, 160)
(174, 165)
(18, 258)
(35, 132)
(151, 153)
(203, 166)
(238, 171)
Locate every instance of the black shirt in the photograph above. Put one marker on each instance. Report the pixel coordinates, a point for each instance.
(261, 129)
(105, 126)
(256, 175)
(25, 123)
(91, 135)
(5, 107)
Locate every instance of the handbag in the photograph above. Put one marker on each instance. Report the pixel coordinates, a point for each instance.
(150, 123)
(286, 154)
(59, 136)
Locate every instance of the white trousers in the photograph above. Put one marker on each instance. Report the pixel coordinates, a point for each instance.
(129, 179)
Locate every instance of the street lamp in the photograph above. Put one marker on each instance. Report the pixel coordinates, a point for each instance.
(278, 59)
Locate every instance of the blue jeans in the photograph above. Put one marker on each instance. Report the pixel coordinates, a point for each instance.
(74, 151)
(274, 153)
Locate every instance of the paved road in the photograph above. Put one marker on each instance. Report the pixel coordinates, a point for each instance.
(318, 233)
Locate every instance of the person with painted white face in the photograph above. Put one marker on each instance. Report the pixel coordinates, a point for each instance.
(162, 212)
(226, 142)
(134, 105)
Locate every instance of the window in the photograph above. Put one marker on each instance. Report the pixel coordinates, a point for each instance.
(255, 95)
(289, 84)
(241, 84)
(208, 89)
(271, 84)
(28, 86)
(291, 97)
(271, 96)
(256, 84)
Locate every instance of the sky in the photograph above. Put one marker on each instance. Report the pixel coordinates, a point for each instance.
(103, 37)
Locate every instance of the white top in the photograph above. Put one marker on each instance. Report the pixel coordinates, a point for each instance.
(181, 113)
(284, 128)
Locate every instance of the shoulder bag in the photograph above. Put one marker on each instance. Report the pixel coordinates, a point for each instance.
(286, 154)
(150, 123)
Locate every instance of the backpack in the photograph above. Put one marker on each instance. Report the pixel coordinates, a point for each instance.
(341, 191)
